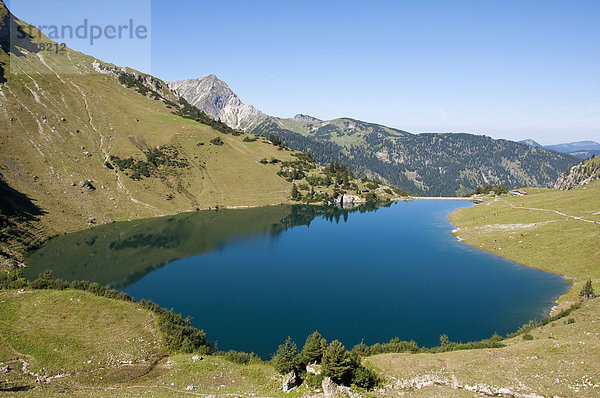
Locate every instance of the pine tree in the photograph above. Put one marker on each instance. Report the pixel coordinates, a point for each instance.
(296, 195)
(337, 363)
(285, 359)
(587, 291)
(313, 349)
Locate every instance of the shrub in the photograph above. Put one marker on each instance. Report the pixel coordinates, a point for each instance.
(588, 291)
(365, 378)
(314, 381)
(217, 141)
(527, 337)
(187, 346)
(241, 358)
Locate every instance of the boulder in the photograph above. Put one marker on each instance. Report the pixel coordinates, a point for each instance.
(313, 368)
(290, 381)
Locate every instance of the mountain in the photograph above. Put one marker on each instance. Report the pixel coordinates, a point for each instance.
(214, 97)
(574, 146)
(443, 164)
(580, 149)
(531, 142)
(579, 175)
(425, 164)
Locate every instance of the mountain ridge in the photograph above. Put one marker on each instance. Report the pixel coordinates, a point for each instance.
(413, 162)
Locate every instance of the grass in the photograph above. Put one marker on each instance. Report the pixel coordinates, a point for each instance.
(103, 347)
(72, 331)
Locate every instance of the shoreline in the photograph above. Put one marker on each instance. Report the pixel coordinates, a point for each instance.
(557, 304)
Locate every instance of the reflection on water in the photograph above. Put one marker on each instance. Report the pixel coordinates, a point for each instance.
(119, 254)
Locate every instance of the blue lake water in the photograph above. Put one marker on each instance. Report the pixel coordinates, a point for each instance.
(352, 275)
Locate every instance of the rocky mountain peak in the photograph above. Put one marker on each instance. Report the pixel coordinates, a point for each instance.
(214, 97)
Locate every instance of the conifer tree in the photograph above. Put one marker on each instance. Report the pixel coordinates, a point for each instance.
(313, 349)
(337, 363)
(285, 359)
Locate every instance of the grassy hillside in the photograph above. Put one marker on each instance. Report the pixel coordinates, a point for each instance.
(80, 344)
(67, 332)
(67, 122)
(344, 132)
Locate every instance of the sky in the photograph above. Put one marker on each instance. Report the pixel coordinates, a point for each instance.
(507, 69)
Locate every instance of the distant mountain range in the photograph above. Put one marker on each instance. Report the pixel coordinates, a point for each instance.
(580, 149)
(443, 164)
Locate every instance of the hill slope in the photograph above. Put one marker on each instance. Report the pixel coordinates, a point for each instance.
(88, 142)
(581, 174)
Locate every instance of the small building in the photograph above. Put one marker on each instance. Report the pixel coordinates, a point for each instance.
(518, 192)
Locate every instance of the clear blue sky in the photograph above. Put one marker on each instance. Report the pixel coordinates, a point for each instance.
(510, 69)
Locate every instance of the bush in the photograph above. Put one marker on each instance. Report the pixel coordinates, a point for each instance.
(527, 337)
(217, 141)
(314, 381)
(187, 346)
(570, 321)
(588, 291)
(241, 358)
(365, 378)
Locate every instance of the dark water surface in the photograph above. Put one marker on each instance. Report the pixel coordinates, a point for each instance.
(252, 277)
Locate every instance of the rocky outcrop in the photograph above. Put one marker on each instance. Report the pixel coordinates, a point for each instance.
(214, 97)
(331, 389)
(290, 381)
(348, 201)
(581, 174)
(313, 368)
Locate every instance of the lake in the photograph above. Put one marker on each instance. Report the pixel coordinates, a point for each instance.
(252, 277)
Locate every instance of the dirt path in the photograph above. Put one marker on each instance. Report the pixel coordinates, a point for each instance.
(554, 211)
